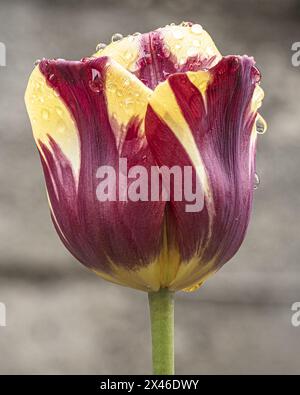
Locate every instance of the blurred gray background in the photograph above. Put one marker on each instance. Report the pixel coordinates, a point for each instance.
(63, 319)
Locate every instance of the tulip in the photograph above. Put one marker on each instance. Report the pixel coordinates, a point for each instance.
(164, 98)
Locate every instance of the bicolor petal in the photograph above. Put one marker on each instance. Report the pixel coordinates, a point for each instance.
(206, 120)
(164, 98)
(103, 123)
(153, 56)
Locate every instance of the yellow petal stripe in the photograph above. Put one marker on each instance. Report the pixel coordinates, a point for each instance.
(49, 116)
(126, 96)
(164, 104)
(186, 41)
(125, 52)
(183, 41)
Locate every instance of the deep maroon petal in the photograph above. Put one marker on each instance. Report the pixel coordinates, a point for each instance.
(221, 124)
(97, 233)
(157, 62)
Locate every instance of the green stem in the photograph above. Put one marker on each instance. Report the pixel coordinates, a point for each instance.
(161, 305)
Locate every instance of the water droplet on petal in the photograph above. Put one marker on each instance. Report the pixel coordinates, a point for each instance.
(116, 37)
(256, 181)
(185, 24)
(52, 78)
(192, 51)
(178, 34)
(133, 67)
(210, 51)
(126, 82)
(260, 125)
(45, 114)
(197, 29)
(255, 75)
(59, 111)
(100, 47)
(128, 102)
(196, 43)
(96, 84)
(128, 55)
(38, 61)
(61, 127)
(136, 34)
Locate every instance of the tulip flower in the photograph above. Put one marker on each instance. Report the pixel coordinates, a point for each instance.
(164, 98)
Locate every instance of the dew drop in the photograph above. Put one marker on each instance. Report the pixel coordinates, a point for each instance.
(100, 47)
(256, 181)
(38, 61)
(116, 37)
(45, 114)
(192, 51)
(197, 29)
(133, 67)
(126, 82)
(178, 34)
(61, 127)
(59, 111)
(260, 125)
(96, 82)
(255, 75)
(128, 55)
(136, 34)
(128, 101)
(52, 78)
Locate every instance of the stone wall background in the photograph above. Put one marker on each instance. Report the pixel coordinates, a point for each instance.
(63, 319)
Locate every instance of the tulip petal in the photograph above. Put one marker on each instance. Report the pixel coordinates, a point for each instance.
(112, 238)
(49, 116)
(153, 56)
(206, 120)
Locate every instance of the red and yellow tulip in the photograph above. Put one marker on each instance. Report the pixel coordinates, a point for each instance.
(167, 97)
